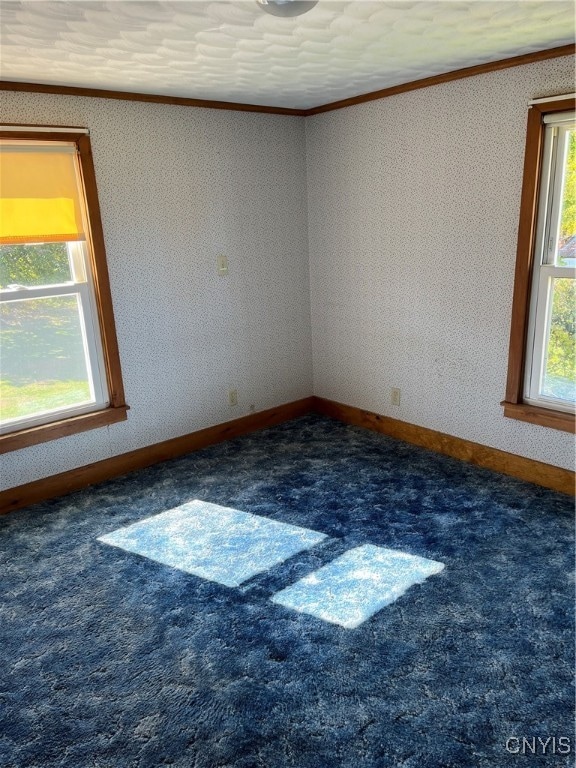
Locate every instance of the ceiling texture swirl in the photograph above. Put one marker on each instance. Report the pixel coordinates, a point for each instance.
(233, 51)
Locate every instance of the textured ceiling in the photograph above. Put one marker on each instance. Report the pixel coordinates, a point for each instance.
(233, 51)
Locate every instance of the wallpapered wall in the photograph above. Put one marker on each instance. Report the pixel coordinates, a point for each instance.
(413, 215)
(409, 236)
(178, 186)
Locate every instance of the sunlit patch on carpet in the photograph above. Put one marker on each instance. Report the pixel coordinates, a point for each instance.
(357, 584)
(217, 543)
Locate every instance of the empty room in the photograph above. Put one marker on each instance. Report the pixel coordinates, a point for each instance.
(287, 383)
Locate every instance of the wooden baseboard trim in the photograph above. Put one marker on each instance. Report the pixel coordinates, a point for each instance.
(556, 478)
(75, 479)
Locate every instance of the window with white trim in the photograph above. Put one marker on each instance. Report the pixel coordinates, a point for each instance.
(59, 363)
(541, 383)
(551, 350)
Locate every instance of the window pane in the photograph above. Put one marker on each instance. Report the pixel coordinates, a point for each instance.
(567, 235)
(43, 365)
(560, 366)
(30, 265)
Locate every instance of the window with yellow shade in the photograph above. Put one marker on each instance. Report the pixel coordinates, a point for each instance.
(59, 364)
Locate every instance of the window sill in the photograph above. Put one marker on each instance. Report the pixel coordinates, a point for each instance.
(542, 416)
(14, 441)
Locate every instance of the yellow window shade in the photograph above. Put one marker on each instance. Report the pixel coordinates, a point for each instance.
(39, 194)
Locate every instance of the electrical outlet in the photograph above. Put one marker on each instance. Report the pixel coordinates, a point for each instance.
(395, 396)
(233, 396)
(252, 408)
(222, 264)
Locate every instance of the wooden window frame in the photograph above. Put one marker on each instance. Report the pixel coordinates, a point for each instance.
(117, 409)
(514, 405)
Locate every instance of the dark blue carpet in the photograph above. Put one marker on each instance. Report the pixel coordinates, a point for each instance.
(112, 660)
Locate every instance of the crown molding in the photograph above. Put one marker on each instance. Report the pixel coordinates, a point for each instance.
(414, 85)
(150, 98)
(457, 74)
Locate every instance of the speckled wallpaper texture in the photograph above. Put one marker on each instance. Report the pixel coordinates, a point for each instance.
(406, 249)
(178, 186)
(413, 215)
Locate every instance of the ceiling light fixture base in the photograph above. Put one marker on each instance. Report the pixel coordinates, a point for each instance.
(286, 8)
